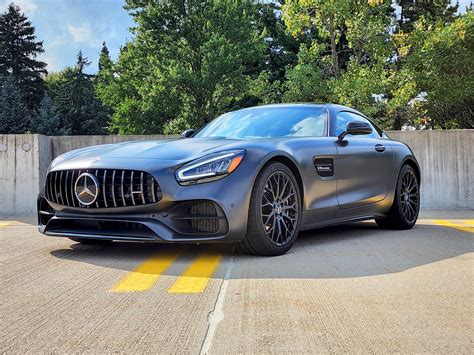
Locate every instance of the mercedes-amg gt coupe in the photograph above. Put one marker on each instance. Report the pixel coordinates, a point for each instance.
(255, 177)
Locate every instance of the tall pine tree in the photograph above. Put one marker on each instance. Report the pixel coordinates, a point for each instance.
(105, 63)
(47, 121)
(14, 115)
(412, 10)
(18, 55)
(74, 96)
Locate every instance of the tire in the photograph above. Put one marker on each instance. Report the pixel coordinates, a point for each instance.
(273, 221)
(406, 203)
(88, 241)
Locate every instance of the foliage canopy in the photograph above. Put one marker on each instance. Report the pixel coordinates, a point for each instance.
(190, 60)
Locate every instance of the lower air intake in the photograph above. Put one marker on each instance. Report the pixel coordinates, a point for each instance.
(203, 218)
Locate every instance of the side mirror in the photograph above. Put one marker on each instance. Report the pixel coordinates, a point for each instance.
(188, 133)
(356, 128)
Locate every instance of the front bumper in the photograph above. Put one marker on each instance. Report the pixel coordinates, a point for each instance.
(174, 224)
(168, 220)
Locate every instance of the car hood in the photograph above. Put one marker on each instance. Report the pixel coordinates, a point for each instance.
(178, 150)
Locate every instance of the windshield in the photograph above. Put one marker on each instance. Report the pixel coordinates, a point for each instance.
(268, 122)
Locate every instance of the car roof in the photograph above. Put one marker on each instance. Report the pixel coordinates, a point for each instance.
(329, 106)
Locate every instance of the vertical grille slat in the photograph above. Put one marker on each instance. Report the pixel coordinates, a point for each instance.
(153, 194)
(104, 186)
(61, 188)
(132, 191)
(113, 189)
(97, 176)
(65, 187)
(73, 194)
(55, 198)
(48, 190)
(132, 187)
(141, 188)
(122, 188)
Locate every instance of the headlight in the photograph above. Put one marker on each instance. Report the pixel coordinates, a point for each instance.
(210, 168)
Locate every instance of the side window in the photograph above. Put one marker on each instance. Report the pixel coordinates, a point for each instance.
(343, 118)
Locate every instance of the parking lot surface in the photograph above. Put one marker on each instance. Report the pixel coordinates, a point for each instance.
(354, 288)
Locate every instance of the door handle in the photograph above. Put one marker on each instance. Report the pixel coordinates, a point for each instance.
(379, 148)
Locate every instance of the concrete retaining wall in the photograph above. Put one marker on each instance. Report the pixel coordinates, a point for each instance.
(445, 158)
(24, 160)
(446, 162)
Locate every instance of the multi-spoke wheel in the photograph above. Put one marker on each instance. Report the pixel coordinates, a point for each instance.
(409, 196)
(406, 203)
(279, 208)
(275, 212)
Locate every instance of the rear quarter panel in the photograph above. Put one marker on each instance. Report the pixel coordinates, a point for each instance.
(402, 153)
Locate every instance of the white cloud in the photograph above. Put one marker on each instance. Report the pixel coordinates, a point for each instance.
(84, 34)
(26, 6)
(53, 64)
(81, 33)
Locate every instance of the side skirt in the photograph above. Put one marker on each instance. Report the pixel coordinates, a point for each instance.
(341, 221)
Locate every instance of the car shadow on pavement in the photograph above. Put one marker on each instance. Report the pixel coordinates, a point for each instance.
(352, 250)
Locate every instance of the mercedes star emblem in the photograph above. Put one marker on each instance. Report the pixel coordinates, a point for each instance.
(86, 189)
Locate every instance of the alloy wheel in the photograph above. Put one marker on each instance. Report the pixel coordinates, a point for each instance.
(280, 208)
(409, 196)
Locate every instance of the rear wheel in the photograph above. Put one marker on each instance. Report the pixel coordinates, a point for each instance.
(406, 204)
(274, 213)
(88, 241)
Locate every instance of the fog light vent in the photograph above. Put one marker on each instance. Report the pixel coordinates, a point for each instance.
(203, 217)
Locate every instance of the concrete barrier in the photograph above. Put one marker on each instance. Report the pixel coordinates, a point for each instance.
(445, 158)
(24, 160)
(446, 162)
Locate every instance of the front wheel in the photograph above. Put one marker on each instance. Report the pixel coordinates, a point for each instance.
(406, 204)
(274, 213)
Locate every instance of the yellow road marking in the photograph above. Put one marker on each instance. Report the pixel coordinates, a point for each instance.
(146, 274)
(195, 278)
(3, 224)
(469, 222)
(446, 223)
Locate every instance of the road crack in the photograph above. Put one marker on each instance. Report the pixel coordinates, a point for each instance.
(217, 314)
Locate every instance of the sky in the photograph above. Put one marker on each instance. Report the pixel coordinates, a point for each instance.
(67, 26)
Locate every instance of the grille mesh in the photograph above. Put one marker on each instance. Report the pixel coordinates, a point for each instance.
(117, 188)
(203, 217)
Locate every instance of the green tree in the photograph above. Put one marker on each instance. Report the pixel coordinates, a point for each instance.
(105, 63)
(307, 81)
(434, 10)
(14, 115)
(142, 99)
(281, 53)
(347, 61)
(442, 62)
(281, 47)
(47, 121)
(18, 52)
(72, 91)
(189, 61)
(328, 16)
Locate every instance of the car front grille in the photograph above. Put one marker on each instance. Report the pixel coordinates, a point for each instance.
(116, 188)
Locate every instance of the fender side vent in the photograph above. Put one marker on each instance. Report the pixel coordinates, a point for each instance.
(324, 166)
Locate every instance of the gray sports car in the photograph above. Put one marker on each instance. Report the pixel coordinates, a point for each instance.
(255, 177)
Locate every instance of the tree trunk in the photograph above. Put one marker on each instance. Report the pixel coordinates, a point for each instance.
(332, 33)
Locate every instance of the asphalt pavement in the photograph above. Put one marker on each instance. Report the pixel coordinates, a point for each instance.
(353, 289)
